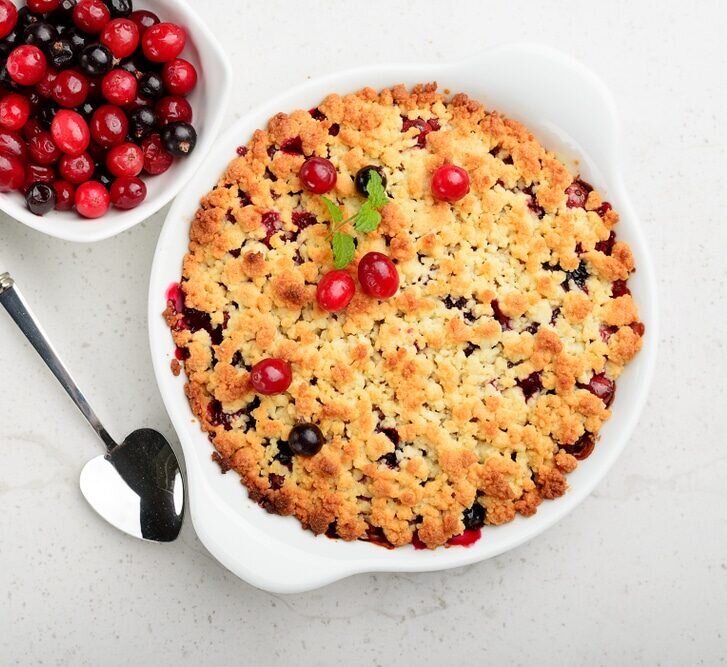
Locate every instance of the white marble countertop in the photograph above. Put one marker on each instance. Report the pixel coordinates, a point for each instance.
(636, 575)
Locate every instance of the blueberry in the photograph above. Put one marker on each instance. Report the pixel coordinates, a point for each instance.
(9, 42)
(305, 439)
(119, 7)
(474, 517)
(578, 276)
(142, 122)
(40, 198)
(40, 34)
(179, 138)
(151, 86)
(61, 54)
(96, 60)
(362, 178)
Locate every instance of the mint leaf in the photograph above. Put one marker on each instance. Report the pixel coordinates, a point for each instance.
(343, 249)
(367, 219)
(375, 190)
(334, 211)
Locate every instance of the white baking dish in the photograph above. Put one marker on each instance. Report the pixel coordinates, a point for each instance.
(571, 111)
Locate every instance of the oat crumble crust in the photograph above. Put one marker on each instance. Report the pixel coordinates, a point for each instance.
(470, 385)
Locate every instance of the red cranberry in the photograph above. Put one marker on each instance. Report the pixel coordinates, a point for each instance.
(127, 192)
(70, 132)
(378, 275)
(92, 199)
(109, 125)
(12, 173)
(8, 17)
(577, 194)
(26, 65)
(45, 86)
(14, 111)
(37, 173)
(271, 376)
(157, 159)
(70, 89)
(91, 16)
(163, 42)
(119, 87)
(12, 144)
(31, 128)
(450, 183)
(77, 169)
(603, 387)
(43, 150)
(318, 175)
(335, 291)
(173, 109)
(121, 36)
(65, 194)
(144, 19)
(179, 77)
(125, 160)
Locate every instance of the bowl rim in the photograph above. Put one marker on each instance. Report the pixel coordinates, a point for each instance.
(246, 549)
(210, 50)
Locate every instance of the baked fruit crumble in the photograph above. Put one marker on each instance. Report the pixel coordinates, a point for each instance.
(452, 372)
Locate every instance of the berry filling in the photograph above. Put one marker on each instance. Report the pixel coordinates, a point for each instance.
(582, 448)
(601, 386)
(272, 223)
(578, 276)
(503, 319)
(577, 194)
(424, 127)
(461, 305)
(530, 385)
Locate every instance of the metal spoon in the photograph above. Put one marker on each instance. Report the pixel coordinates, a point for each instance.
(137, 486)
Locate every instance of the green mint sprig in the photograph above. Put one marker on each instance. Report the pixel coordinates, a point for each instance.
(366, 219)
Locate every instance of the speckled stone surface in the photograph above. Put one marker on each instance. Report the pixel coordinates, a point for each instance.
(636, 575)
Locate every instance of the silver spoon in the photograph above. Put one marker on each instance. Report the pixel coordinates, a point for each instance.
(137, 486)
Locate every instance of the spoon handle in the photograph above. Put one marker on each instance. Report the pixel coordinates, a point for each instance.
(18, 309)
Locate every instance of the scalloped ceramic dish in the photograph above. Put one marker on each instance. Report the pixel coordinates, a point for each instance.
(571, 112)
(208, 100)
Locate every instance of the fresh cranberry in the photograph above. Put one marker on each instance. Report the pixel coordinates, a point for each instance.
(70, 89)
(109, 125)
(619, 288)
(38, 173)
(92, 199)
(335, 291)
(450, 183)
(144, 19)
(43, 150)
(138, 102)
(42, 6)
(70, 132)
(76, 169)
(163, 42)
(157, 159)
(12, 173)
(127, 192)
(603, 387)
(378, 275)
(31, 128)
(179, 76)
(91, 16)
(8, 17)
(318, 175)
(121, 36)
(577, 194)
(14, 111)
(173, 109)
(125, 160)
(26, 65)
(45, 86)
(119, 87)
(271, 376)
(65, 194)
(13, 144)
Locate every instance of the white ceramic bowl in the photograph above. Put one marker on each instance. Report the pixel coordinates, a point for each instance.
(570, 110)
(208, 100)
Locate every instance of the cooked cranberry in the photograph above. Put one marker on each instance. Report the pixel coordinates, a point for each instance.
(305, 439)
(91, 16)
(127, 192)
(8, 17)
(142, 122)
(606, 247)
(65, 194)
(577, 194)
(638, 328)
(125, 160)
(530, 385)
(180, 77)
(424, 127)
(361, 181)
(335, 291)
(40, 34)
(450, 183)
(157, 159)
(302, 220)
(604, 208)
(601, 386)
(40, 198)
(109, 125)
(14, 111)
(144, 19)
(619, 288)
(92, 199)
(378, 275)
(271, 376)
(503, 319)
(70, 89)
(163, 42)
(179, 138)
(119, 87)
(318, 175)
(35, 173)
(43, 150)
(466, 539)
(76, 169)
(26, 65)
(582, 448)
(42, 6)
(12, 144)
(12, 173)
(70, 132)
(121, 36)
(474, 517)
(272, 223)
(173, 109)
